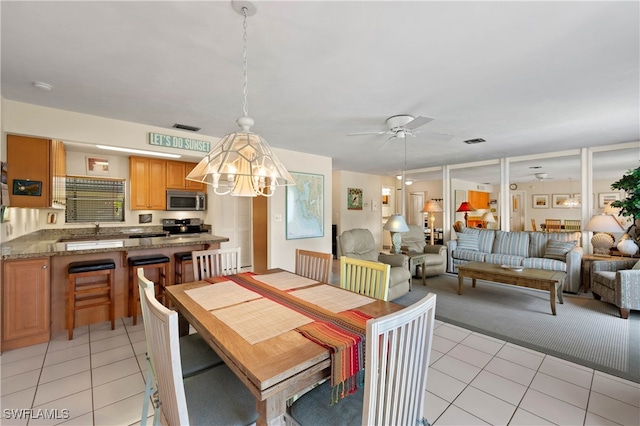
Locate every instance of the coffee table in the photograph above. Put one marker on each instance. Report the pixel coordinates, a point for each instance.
(533, 278)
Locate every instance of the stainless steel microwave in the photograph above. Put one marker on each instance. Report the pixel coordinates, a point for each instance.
(186, 200)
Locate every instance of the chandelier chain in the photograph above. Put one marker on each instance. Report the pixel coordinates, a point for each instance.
(245, 106)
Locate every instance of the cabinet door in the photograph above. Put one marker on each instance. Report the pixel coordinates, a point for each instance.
(25, 303)
(175, 175)
(29, 159)
(148, 183)
(195, 186)
(157, 184)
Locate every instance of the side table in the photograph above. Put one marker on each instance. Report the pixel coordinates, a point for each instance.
(587, 260)
(415, 259)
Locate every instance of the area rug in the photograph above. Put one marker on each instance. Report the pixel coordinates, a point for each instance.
(585, 331)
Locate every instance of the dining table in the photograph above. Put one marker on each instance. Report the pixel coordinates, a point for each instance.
(249, 322)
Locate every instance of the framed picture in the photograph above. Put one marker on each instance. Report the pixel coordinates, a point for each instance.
(559, 200)
(540, 201)
(305, 206)
(606, 198)
(354, 198)
(27, 187)
(97, 166)
(577, 197)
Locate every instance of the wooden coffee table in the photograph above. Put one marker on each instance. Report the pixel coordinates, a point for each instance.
(533, 278)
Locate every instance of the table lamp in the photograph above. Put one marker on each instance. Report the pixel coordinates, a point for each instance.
(466, 208)
(431, 207)
(488, 218)
(395, 225)
(602, 225)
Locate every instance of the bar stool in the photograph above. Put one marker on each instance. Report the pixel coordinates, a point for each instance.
(181, 260)
(155, 261)
(92, 293)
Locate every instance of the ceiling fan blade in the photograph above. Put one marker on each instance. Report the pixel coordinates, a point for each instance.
(367, 133)
(417, 122)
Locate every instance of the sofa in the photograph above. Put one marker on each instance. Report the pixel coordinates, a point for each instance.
(556, 251)
(436, 259)
(618, 283)
(360, 244)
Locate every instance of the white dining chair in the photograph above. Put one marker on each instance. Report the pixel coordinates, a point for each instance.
(215, 396)
(215, 262)
(314, 265)
(396, 365)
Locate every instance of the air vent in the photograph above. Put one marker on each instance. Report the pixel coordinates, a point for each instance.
(535, 167)
(186, 127)
(474, 141)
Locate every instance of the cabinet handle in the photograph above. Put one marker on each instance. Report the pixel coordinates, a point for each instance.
(44, 266)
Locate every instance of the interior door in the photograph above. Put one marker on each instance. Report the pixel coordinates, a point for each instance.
(517, 211)
(416, 202)
(234, 221)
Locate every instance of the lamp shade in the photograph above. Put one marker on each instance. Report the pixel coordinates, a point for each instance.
(465, 207)
(431, 206)
(488, 217)
(603, 223)
(396, 223)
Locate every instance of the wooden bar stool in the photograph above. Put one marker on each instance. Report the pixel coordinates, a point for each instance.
(181, 260)
(91, 293)
(156, 261)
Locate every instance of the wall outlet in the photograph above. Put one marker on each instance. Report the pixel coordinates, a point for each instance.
(278, 218)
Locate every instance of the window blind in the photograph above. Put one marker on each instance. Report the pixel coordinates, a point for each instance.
(94, 199)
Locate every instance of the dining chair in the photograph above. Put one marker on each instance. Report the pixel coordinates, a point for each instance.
(215, 262)
(314, 265)
(552, 225)
(396, 365)
(365, 277)
(572, 224)
(215, 396)
(196, 355)
(533, 225)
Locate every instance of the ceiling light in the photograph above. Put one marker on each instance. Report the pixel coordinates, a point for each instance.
(242, 163)
(42, 86)
(139, 151)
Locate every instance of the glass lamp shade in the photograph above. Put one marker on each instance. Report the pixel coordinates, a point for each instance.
(241, 164)
(395, 225)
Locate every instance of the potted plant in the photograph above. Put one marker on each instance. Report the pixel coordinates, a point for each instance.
(630, 206)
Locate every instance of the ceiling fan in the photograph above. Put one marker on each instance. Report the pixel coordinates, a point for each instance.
(399, 126)
(542, 176)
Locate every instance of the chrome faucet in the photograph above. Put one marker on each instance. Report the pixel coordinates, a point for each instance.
(97, 228)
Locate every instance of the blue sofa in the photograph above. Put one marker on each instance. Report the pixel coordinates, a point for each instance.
(555, 251)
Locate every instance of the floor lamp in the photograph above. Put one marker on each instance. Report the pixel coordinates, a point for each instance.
(466, 208)
(431, 207)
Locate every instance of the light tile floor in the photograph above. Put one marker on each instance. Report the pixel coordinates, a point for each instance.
(473, 380)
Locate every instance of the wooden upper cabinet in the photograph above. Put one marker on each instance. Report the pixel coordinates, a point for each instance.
(176, 173)
(479, 200)
(148, 187)
(39, 166)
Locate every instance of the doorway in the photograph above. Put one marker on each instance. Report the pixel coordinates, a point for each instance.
(517, 210)
(416, 202)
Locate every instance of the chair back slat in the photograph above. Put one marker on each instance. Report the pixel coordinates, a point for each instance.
(572, 224)
(365, 277)
(397, 362)
(215, 262)
(533, 225)
(313, 265)
(161, 328)
(552, 225)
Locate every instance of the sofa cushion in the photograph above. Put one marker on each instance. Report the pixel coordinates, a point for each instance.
(485, 238)
(537, 243)
(566, 236)
(558, 249)
(546, 264)
(637, 265)
(513, 243)
(470, 255)
(468, 241)
(504, 259)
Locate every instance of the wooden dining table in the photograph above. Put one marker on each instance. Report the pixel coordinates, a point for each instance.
(276, 368)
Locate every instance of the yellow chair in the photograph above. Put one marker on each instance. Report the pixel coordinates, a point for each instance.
(365, 277)
(314, 265)
(572, 225)
(552, 225)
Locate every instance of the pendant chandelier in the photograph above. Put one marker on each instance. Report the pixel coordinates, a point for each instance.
(242, 163)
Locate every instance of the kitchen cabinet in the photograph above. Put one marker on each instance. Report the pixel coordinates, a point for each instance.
(479, 200)
(148, 183)
(26, 302)
(39, 166)
(176, 173)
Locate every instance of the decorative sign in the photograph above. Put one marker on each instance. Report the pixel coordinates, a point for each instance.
(179, 142)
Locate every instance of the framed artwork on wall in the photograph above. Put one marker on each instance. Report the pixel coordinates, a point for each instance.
(540, 201)
(606, 198)
(559, 201)
(97, 166)
(305, 206)
(354, 198)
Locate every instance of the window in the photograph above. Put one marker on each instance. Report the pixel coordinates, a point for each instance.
(94, 199)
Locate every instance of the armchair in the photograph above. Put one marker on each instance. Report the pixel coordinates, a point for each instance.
(617, 283)
(436, 261)
(360, 244)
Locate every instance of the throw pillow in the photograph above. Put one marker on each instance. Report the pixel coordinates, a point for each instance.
(558, 249)
(467, 242)
(637, 265)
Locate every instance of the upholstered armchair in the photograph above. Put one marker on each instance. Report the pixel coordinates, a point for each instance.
(360, 244)
(436, 261)
(617, 283)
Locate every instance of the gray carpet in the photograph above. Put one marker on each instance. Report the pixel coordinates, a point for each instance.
(584, 331)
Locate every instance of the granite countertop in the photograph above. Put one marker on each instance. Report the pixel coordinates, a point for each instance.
(45, 243)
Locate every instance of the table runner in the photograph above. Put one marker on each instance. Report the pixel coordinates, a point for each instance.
(343, 334)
